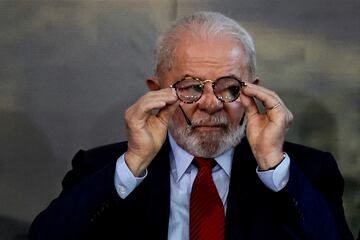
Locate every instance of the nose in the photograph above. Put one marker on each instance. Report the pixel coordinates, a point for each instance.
(208, 101)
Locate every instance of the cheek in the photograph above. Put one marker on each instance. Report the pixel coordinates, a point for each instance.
(179, 117)
(189, 109)
(235, 111)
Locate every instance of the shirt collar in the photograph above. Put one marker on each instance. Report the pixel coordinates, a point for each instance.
(181, 159)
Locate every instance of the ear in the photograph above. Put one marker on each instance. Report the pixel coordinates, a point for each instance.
(153, 83)
(256, 81)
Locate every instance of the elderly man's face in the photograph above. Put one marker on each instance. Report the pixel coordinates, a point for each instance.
(215, 125)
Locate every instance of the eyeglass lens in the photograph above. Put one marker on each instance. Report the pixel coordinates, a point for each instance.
(190, 89)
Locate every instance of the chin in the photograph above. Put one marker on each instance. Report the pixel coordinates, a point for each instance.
(205, 142)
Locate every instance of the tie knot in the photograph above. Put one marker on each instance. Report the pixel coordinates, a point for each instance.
(201, 162)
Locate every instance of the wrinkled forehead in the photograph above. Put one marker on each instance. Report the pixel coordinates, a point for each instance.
(191, 39)
(209, 50)
(215, 53)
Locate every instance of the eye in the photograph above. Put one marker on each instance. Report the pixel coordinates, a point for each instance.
(227, 89)
(190, 84)
(189, 89)
(197, 88)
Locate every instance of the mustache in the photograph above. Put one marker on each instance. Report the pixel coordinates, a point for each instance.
(214, 120)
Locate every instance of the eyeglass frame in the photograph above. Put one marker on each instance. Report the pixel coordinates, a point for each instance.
(202, 82)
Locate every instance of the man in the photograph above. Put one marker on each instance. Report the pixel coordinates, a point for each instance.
(187, 171)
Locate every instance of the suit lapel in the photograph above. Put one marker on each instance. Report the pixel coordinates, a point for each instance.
(253, 210)
(158, 194)
(243, 186)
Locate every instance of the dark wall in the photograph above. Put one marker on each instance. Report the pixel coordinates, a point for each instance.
(69, 69)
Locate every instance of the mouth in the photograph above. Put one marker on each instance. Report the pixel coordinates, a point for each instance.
(209, 128)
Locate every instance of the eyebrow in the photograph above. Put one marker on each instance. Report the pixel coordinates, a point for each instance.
(234, 76)
(203, 78)
(189, 75)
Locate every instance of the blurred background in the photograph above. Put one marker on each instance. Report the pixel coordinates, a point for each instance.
(70, 68)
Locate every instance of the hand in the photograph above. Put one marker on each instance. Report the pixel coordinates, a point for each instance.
(265, 131)
(147, 131)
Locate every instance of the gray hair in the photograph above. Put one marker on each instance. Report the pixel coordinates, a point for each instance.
(202, 24)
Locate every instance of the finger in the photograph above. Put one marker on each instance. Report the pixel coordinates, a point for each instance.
(276, 109)
(143, 108)
(250, 106)
(166, 112)
(163, 96)
(266, 96)
(140, 112)
(263, 89)
(160, 94)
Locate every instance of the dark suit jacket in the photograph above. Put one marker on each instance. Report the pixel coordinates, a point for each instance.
(310, 206)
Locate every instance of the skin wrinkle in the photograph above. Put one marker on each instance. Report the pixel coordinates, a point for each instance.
(210, 59)
(204, 30)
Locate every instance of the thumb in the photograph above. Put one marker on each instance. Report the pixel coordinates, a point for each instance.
(249, 105)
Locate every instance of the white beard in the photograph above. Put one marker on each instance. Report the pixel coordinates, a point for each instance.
(207, 144)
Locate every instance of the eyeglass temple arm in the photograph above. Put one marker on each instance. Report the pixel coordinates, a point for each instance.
(185, 116)
(243, 84)
(182, 110)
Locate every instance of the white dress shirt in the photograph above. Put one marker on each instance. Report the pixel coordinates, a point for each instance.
(182, 176)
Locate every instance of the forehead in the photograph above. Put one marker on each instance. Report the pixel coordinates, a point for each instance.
(208, 57)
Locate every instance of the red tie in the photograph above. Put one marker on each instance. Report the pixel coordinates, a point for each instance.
(207, 218)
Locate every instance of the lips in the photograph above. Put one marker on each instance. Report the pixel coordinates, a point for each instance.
(210, 127)
(213, 122)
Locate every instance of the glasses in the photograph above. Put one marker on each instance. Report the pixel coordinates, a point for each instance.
(190, 89)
